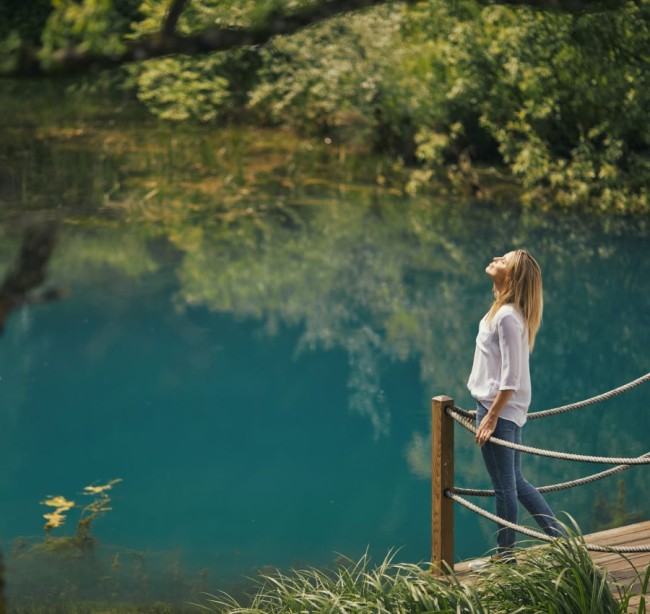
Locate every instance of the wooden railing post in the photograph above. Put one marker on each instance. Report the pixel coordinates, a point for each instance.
(442, 478)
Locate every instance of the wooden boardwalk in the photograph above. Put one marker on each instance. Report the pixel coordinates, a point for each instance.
(622, 570)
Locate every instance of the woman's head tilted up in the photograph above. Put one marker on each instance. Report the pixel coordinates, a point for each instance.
(517, 279)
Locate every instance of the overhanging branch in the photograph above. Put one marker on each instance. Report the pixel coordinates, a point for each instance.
(168, 42)
(173, 14)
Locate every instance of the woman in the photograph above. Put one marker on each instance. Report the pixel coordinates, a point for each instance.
(500, 383)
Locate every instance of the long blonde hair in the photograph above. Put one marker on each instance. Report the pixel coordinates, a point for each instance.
(522, 287)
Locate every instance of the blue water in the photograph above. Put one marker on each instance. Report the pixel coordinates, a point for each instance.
(264, 391)
(233, 449)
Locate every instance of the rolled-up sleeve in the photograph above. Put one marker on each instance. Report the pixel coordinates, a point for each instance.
(510, 331)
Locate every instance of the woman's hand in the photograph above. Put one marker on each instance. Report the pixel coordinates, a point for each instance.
(486, 428)
(489, 423)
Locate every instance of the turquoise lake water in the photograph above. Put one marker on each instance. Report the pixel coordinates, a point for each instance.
(262, 387)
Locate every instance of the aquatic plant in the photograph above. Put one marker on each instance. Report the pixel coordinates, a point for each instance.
(97, 507)
(82, 540)
(56, 518)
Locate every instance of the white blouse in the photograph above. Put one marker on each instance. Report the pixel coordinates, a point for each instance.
(501, 363)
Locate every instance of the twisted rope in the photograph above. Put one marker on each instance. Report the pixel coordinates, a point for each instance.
(591, 401)
(476, 492)
(566, 408)
(615, 460)
(537, 534)
(470, 415)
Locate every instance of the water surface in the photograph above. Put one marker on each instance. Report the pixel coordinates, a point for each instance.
(257, 363)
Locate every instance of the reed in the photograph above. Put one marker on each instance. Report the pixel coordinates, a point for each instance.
(395, 588)
(559, 578)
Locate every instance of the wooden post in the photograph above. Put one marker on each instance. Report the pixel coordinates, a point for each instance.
(442, 479)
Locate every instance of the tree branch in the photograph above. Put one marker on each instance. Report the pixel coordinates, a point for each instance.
(167, 42)
(78, 60)
(176, 9)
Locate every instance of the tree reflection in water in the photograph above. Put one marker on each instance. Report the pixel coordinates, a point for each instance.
(22, 286)
(381, 279)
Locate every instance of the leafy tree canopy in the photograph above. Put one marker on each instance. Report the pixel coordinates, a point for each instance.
(79, 35)
(556, 91)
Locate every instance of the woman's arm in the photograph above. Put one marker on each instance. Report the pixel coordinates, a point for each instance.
(489, 423)
(511, 334)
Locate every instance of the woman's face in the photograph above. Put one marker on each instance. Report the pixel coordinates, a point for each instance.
(498, 267)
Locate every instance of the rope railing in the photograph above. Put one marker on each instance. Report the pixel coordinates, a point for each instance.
(537, 534)
(572, 406)
(595, 477)
(614, 460)
(592, 401)
(442, 483)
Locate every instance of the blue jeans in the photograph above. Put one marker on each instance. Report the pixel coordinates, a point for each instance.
(504, 466)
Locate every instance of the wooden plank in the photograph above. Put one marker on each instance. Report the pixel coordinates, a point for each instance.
(634, 604)
(640, 528)
(617, 562)
(624, 571)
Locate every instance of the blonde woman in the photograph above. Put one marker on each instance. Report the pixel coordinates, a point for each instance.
(500, 384)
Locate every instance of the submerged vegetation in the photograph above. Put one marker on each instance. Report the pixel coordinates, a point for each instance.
(82, 543)
(98, 506)
(610, 512)
(556, 578)
(74, 574)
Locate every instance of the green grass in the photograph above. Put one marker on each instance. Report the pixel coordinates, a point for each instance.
(559, 578)
(355, 587)
(556, 579)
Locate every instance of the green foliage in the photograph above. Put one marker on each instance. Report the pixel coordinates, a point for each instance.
(336, 74)
(49, 26)
(560, 99)
(179, 88)
(556, 579)
(200, 89)
(563, 97)
(349, 70)
(10, 50)
(357, 587)
(92, 25)
(560, 579)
